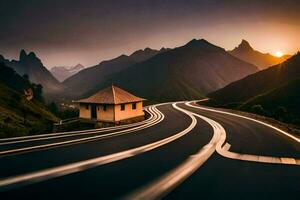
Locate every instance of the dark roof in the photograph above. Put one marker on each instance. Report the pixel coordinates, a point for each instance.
(111, 95)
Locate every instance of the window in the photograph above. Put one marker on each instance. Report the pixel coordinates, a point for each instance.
(122, 106)
(133, 105)
(104, 107)
(87, 107)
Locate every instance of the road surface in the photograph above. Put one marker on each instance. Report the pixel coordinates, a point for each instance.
(183, 151)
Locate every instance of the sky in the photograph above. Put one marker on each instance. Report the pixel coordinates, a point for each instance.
(67, 32)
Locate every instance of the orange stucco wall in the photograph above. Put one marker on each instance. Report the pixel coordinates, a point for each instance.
(106, 116)
(113, 112)
(128, 112)
(83, 112)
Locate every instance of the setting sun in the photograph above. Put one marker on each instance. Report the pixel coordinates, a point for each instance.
(278, 54)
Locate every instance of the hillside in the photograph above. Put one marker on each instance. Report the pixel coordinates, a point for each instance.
(86, 79)
(286, 96)
(31, 65)
(21, 114)
(262, 60)
(186, 72)
(260, 82)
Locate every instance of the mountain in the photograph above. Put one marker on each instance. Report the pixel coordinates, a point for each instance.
(61, 73)
(31, 65)
(186, 72)
(21, 109)
(260, 82)
(142, 55)
(86, 79)
(287, 96)
(262, 60)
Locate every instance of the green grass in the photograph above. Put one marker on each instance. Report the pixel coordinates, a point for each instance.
(13, 108)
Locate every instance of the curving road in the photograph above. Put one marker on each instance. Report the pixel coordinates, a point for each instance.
(183, 151)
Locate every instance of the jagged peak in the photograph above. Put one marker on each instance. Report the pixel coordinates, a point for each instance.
(23, 55)
(32, 55)
(245, 45)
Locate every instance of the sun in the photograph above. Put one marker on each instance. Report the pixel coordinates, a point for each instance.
(278, 54)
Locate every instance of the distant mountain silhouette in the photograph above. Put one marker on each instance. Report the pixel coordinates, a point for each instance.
(61, 73)
(186, 72)
(31, 65)
(262, 60)
(260, 82)
(86, 79)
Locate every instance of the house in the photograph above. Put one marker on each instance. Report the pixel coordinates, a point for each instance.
(112, 104)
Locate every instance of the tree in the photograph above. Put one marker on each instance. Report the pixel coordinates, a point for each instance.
(53, 108)
(258, 109)
(282, 114)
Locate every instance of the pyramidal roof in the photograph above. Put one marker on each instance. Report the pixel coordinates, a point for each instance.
(111, 95)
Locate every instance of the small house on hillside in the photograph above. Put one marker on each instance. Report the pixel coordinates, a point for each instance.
(112, 104)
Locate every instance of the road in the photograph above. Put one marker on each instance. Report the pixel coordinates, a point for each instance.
(183, 151)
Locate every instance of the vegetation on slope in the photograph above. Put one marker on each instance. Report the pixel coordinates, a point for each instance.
(19, 116)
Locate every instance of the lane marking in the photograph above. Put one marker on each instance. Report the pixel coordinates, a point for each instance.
(160, 187)
(15, 181)
(245, 157)
(15, 140)
(158, 118)
(248, 118)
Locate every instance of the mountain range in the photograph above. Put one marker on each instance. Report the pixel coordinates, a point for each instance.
(61, 73)
(87, 79)
(186, 72)
(32, 66)
(245, 52)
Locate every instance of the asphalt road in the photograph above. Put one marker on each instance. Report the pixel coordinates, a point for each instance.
(130, 164)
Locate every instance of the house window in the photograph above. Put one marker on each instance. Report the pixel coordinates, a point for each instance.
(122, 106)
(133, 105)
(87, 107)
(104, 107)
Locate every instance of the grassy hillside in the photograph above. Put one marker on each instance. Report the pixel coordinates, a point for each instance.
(281, 103)
(19, 116)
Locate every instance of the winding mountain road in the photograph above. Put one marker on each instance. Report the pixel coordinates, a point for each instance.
(183, 151)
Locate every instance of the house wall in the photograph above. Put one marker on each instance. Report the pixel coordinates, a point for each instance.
(83, 112)
(128, 112)
(106, 116)
(113, 112)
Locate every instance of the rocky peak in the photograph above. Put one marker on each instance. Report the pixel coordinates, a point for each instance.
(244, 45)
(23, 55)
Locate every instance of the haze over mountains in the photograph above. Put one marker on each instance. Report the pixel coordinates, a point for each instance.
(89, 78)
(186, 72)
(262, 60)
(61, 73)
(31, 65)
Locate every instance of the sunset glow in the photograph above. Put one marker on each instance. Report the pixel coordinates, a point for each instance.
(278, 54)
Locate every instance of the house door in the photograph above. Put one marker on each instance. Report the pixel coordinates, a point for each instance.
(93, 111)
